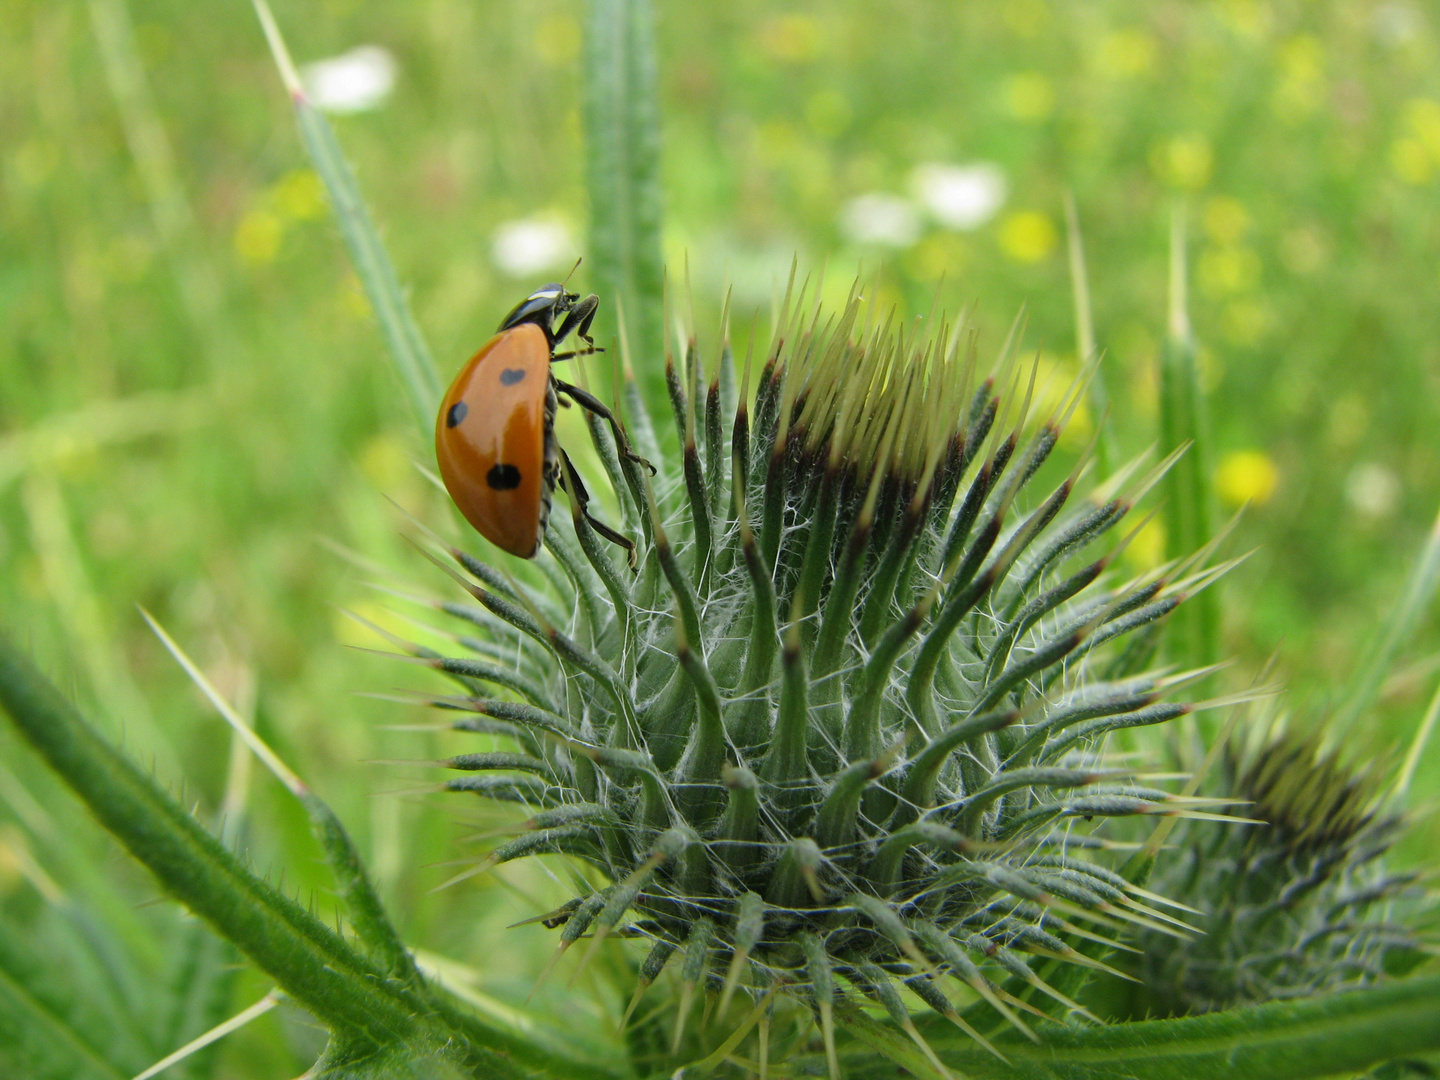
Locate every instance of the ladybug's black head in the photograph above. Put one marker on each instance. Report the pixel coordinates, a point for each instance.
(543, 306)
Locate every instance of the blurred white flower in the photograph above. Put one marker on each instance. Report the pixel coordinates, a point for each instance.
(352, 82)
(1372, 490)
(880, 218)
(1396, 23)
(960, 196)
(526, 247)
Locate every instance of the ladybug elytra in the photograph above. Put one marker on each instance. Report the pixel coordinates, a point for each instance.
(495, 435)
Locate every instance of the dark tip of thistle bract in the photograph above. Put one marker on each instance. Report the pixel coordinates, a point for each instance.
(838, 735)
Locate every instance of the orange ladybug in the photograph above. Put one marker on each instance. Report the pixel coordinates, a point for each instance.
(495, 435)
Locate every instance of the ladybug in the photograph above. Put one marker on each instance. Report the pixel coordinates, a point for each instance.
(495, 435)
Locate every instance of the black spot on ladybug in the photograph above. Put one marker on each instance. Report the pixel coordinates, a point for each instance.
(510, 376)
(456, 414)
(503, 477)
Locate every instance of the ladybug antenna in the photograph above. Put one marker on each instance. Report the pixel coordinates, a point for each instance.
(572, 271)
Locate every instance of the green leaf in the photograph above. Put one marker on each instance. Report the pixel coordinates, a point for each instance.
(408, 350)
(622, 126)
(54, 1022)
(1337, 1033)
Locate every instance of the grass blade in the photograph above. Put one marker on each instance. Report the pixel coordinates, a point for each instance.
(1085, 346)
(408, 351)
(1195, 627)
(219, 1031)
(1400, 627)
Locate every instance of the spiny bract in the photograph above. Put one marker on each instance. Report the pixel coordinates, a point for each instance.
(845, 720)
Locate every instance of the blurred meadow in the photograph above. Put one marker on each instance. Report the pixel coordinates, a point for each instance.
(196, 415)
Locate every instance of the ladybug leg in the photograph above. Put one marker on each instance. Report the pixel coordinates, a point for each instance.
(575, 352)
(577, 321)
(571, 482)
(591, 403)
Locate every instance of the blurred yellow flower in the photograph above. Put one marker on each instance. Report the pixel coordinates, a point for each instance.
(557, 40)
(789, 38)
(1302, 58)
(1026, 17)
(1411, 160)
(774, 140)
(1225, 270)
(1185, 161)
(1422, 118)
(1028, 236)
(385, 462)
(1147, 548)
(1054, 388)
(1029, 95)
(1246, 476)
(299, 194)
(1127, 53)
(1226, 219)
(1415, 155)
(1301, 88)
(1248, 18)
(1076, 435)
(941, 254)
(257, 237)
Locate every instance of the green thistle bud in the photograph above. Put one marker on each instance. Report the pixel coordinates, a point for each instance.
(1299, 902)
(836, 736)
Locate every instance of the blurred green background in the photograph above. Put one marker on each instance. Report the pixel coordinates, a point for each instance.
(195, 406)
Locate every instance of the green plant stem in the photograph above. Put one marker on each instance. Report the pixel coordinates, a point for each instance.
(622, 127)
